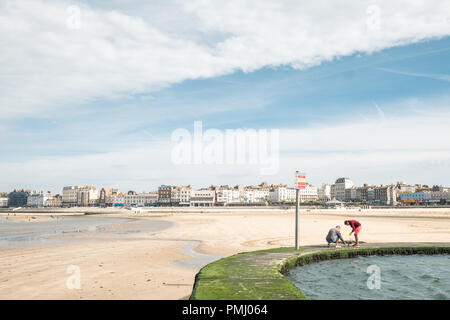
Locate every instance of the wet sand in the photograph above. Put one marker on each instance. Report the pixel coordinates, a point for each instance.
(161, 264)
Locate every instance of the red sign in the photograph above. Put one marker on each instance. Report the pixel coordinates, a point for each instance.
(300, 181)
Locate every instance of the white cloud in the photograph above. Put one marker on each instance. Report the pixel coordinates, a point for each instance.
(47, 66)
(442, 77)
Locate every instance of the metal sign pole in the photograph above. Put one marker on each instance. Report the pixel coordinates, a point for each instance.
(300, 184)
(297, 245)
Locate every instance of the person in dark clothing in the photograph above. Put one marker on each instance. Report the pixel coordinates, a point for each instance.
(334, 235)
(356, 228)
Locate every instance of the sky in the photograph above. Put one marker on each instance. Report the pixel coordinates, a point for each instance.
(93, 92)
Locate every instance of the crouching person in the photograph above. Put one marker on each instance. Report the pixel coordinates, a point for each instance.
(334, 235)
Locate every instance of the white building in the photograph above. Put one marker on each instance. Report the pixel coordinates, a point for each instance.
(80, 196)
(224, 196)
(107, 197)
(70, 196)
(152, 197)
(404, 188)
(338, 188)
(87, 196)
(175, 196)
(185, 195)
(3, 202)
(202, 198)
(351, 194)
(282, 194)
(237, 196)
(249, 196)
(140, 199)
(227, 195)
(258, 195)
(309, 193)
(324, 192)
(40, 199)
(180, 196)
(439, 195)
(117, 199)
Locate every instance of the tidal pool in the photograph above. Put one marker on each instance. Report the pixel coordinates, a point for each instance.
(416, 277)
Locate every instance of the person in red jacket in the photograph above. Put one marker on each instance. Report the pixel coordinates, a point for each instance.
(356, 228)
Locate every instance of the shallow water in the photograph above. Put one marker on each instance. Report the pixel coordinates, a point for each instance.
(417, 277)
(63, 229)
(198, 260)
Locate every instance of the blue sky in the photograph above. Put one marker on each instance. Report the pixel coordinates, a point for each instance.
(268, 98)
(84, 119)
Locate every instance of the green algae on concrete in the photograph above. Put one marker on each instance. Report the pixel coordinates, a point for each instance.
(247, 276)
(259, 275)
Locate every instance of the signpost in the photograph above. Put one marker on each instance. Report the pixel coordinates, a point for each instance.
(300, 183)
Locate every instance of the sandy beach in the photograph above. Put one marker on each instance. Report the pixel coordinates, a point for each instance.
(142, 263)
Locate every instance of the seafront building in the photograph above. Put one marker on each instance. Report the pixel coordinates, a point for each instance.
(413, 197)
(351, 194)
(309, 193)
(104, 194)
(337, 189)
(256, 195)
(143, 199)
(185, 195)
(224, 195)
(40, 199)
(405, 188)
(440, 188)
(3, 202)
(282, 194)
(87, 196)
(165, 195)
(324, 192)
(116, 199)
(18, 198)
(365, 193)
(70, 196)
(342, 191)
(427, 197)
(175, 197)
(180, 196)
(285, 194)
(55, 202)
(385, 195)
(202, 198)
(81, 196)
(439, 195)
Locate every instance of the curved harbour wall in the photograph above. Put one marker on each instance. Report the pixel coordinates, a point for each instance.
(352, 253)
(259, 275)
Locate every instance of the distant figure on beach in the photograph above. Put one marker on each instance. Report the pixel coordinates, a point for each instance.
(356, 228)
(334, 235)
